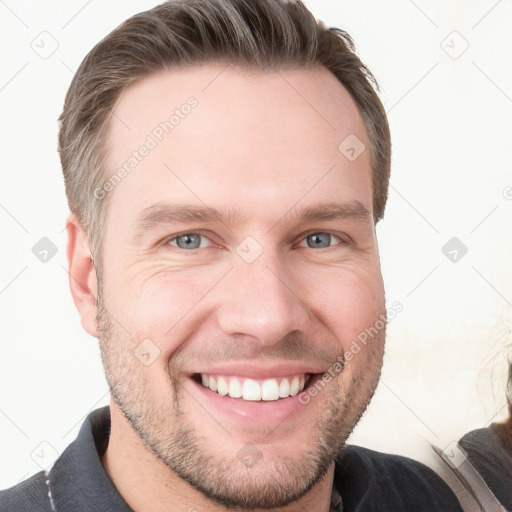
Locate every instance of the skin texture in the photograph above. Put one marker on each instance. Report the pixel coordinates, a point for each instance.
(266, 145)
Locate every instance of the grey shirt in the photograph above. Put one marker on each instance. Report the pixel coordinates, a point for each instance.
(492, 461)
(364, 480)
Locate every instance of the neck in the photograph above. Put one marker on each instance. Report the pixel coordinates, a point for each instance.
(147, 484)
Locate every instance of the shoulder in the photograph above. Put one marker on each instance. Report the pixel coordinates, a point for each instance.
(31, 495)
(487, 452)
(369, 480)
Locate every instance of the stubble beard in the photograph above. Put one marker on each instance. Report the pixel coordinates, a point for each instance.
(228, 481)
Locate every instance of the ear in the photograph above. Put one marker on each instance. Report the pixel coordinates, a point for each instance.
(82, 275)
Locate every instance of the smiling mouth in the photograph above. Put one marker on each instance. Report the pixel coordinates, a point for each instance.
(246, 389)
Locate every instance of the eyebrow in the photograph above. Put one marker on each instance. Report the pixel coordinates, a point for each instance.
(163, 213)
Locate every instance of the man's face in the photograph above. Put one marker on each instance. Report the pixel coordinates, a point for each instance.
(271, 289)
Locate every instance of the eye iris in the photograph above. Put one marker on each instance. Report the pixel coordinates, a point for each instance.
(188, 241)
(319, 240)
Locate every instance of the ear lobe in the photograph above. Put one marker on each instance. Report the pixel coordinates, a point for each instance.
(82, 275)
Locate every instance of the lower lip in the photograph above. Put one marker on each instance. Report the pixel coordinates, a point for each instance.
(261, 411)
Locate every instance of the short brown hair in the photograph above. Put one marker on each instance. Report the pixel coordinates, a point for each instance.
(261, 34)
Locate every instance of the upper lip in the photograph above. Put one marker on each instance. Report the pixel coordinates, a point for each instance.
(260, 371)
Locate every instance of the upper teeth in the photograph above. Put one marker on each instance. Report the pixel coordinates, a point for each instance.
(249, 389)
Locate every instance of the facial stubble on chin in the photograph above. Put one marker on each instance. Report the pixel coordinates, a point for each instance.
(168, 434)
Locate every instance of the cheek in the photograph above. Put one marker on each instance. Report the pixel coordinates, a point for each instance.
(346, 301)
(157, 302)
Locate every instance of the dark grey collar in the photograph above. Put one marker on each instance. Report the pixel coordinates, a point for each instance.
(78, 481)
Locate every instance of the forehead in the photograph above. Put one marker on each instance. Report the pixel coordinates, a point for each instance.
(226, 137)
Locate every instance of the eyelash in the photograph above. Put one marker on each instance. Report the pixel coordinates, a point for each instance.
(167, 241)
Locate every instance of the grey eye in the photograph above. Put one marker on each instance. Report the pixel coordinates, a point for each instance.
(189, 241)
(319, 240)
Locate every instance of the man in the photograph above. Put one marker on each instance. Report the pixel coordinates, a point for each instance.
(226, 162)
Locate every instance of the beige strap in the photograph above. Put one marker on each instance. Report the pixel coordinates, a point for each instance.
(470, 488)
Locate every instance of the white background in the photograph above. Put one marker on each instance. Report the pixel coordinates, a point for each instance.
(450, 118)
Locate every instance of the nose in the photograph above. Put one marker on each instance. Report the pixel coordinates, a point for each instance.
(261, 300)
